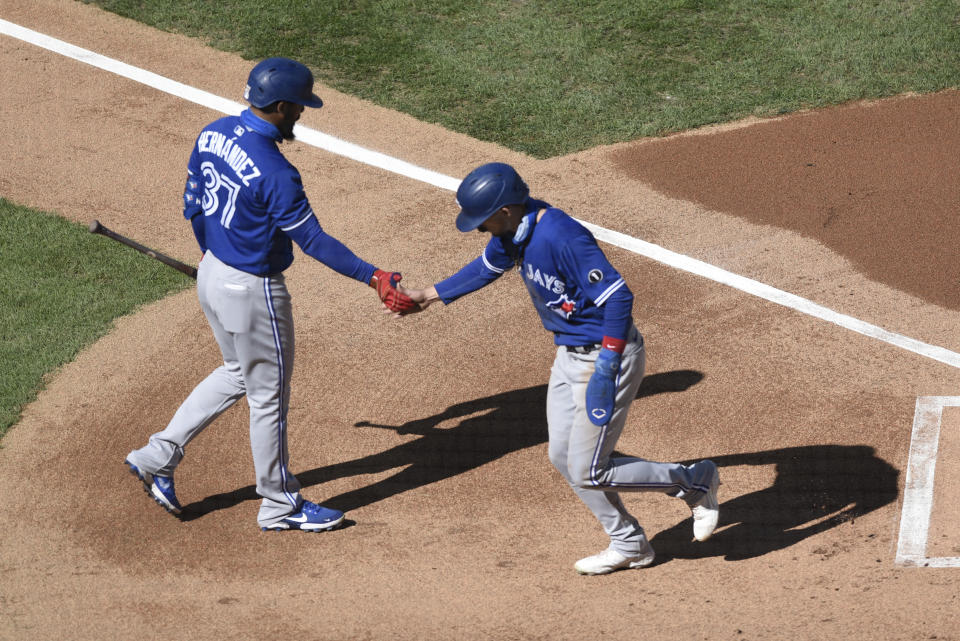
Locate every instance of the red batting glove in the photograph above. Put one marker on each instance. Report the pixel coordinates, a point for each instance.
(386, 285)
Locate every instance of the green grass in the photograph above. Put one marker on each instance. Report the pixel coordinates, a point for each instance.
(549, 77)
(61, 288)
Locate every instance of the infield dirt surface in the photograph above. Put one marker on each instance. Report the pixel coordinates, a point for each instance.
(430, 431)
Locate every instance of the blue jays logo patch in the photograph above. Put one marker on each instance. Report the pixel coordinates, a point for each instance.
(190, 194)
(563, 306)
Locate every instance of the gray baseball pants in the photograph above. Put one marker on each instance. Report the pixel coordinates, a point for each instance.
(581, 451)
(252, 321)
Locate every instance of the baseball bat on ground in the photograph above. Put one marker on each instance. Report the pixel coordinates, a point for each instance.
(97, 228)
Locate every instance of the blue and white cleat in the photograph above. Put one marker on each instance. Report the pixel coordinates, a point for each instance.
(160, 488)
(310, 518)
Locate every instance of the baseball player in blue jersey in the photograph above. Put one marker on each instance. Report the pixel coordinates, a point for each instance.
(247, 205)
(599, 363)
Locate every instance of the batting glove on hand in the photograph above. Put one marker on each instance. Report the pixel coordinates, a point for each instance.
(386, 285)
(602, 388)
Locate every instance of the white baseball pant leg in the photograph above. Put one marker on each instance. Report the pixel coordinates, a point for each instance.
(581, 451)
(252, 321)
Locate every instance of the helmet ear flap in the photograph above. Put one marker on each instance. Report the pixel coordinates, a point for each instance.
(485, 190)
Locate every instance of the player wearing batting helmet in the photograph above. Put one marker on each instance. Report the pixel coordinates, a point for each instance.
(599, 362)
(247, 207)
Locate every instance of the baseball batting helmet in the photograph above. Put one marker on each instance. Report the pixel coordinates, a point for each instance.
(277, 79)
(485, 190)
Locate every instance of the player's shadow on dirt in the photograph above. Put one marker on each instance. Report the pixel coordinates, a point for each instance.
(816, 488)
(463, 437)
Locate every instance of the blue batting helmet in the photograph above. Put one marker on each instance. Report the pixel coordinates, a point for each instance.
(277, 79)
(485, 190)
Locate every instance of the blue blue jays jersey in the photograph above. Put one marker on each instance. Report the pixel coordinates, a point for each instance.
(249, 194)
(567, 275)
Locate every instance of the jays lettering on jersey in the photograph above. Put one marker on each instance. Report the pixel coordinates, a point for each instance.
(567, 275)
(253, 203)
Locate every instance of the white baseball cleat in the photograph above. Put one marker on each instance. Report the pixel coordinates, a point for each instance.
(706, 512)
(610, 561)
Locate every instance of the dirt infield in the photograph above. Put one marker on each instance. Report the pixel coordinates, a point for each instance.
(458, 527)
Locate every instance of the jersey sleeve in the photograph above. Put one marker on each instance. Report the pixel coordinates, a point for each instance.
(480, 272)
(193, 199)
(291, 213)
(583, 261)
(318, 244)
(285, 199)
(193, 189)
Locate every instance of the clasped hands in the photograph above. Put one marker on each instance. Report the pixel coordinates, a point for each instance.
(398, 300)
(420, 299)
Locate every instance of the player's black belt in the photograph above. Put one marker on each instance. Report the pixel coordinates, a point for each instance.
(582, 349)
(633, 335)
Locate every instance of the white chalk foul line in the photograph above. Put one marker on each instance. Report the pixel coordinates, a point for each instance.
(394, 165)
(772, 294)
(918, 489)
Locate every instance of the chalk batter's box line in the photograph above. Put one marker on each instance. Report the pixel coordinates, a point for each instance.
(918, 489)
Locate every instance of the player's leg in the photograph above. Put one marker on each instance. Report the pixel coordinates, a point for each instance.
(210, 398)
(591, 447)
(266, 355)
(626, 535)
(560, 411)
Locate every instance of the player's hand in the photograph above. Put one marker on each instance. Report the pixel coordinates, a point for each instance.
(602, 388)
(422, 297)
(393, 299)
